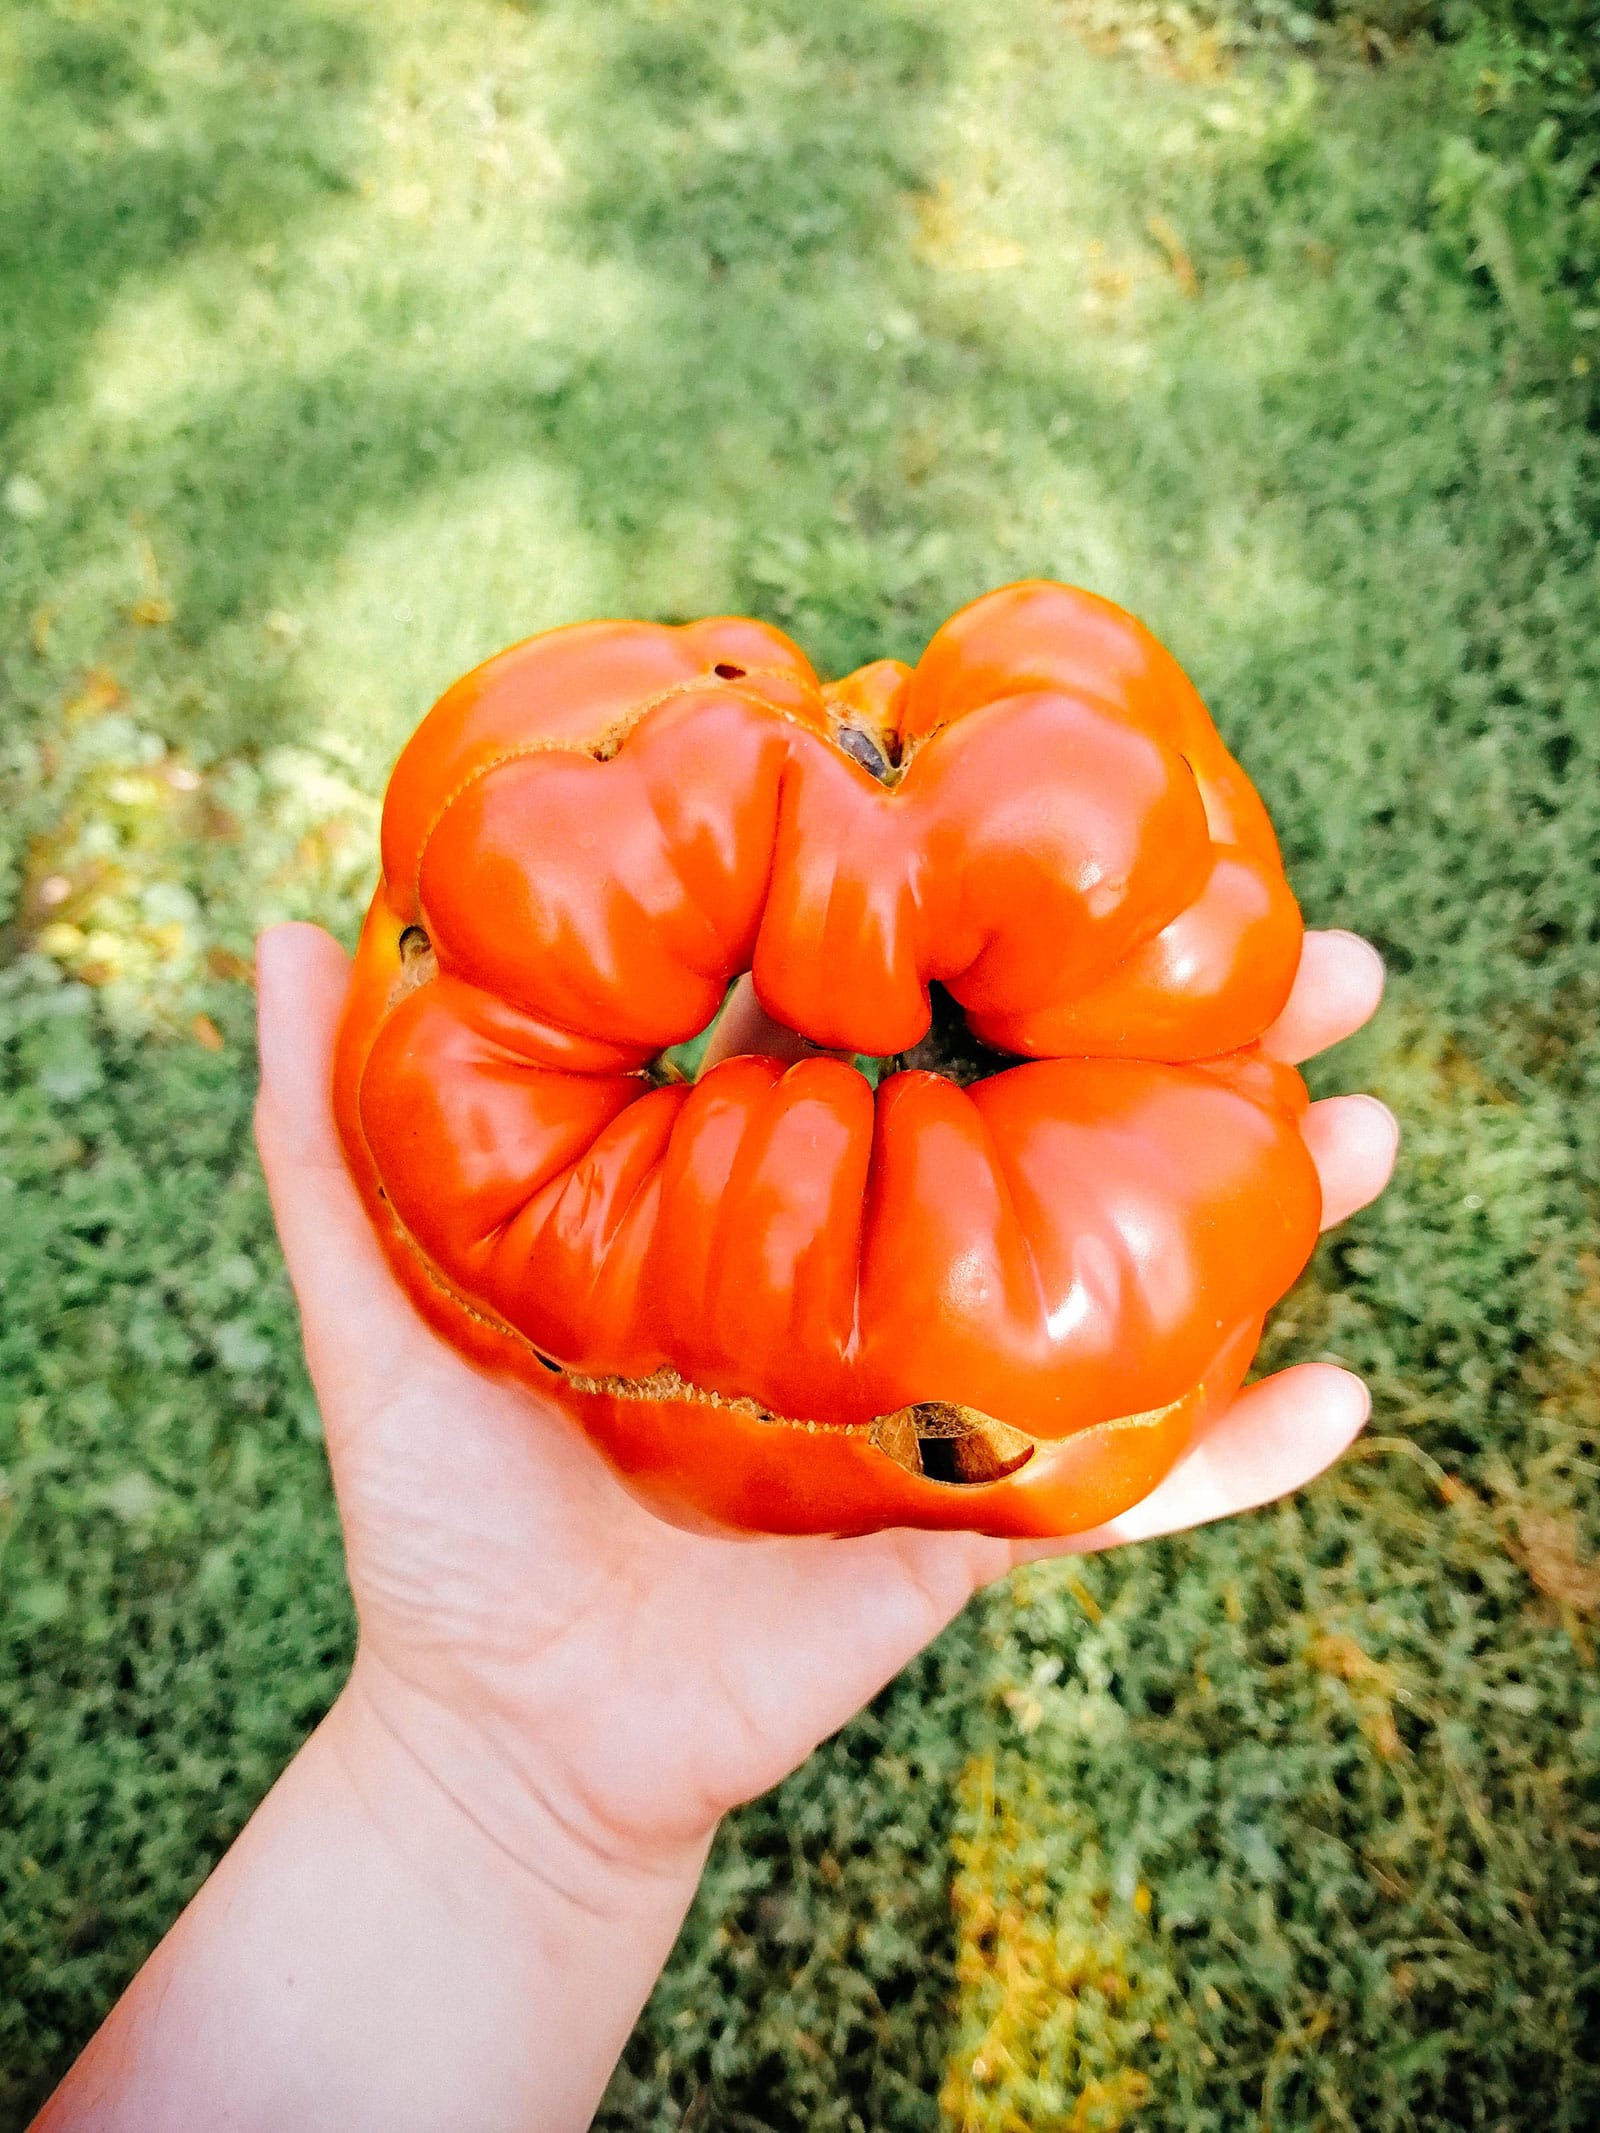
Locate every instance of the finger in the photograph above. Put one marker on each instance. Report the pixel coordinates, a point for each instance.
(1353, 1142)
(353, 1313)
(745, 1026)
(1336, 989)
(1277, 1436)
(301, 977)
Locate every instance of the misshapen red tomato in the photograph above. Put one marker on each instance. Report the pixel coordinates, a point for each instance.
(778, 1299)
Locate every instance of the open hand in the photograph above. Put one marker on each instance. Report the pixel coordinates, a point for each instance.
(544, 1646)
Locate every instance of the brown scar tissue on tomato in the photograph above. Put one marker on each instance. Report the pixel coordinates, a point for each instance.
(997, 1247)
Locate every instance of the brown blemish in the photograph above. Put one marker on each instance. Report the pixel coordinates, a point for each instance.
(418, 963)
(870, 750)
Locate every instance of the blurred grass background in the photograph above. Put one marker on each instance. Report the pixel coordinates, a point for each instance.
(340, 343)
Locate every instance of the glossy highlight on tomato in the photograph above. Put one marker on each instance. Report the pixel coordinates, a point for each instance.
(997, 1276)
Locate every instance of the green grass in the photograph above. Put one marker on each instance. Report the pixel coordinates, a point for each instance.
(341, 343)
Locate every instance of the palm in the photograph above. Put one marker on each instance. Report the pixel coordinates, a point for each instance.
(497, 1565)
(657, 1677)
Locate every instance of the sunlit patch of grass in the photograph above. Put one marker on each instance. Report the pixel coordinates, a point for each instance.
(1060, 1996)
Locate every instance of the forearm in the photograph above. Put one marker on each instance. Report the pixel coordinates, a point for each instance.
(371, 1955)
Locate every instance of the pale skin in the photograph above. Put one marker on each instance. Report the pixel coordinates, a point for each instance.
(448, 1912)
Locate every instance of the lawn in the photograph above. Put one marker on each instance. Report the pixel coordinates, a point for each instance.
(342, 341)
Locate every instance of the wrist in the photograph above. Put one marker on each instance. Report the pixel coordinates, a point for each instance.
(477, 1815)
(397, 1942)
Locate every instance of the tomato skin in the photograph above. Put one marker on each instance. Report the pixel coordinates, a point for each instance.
(728, 1286)
(771, 1480)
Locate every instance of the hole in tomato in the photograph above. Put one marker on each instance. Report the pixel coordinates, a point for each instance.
(868, 750)
(418, 963)
(727, 673)
(959, 1446)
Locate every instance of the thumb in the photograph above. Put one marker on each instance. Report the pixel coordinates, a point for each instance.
(301, 975)
(355, 1318)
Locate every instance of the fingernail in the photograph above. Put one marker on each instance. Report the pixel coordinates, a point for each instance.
(1359, 940)
(1378, 1106)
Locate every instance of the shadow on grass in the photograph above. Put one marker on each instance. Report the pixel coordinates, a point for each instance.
(127, 146)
